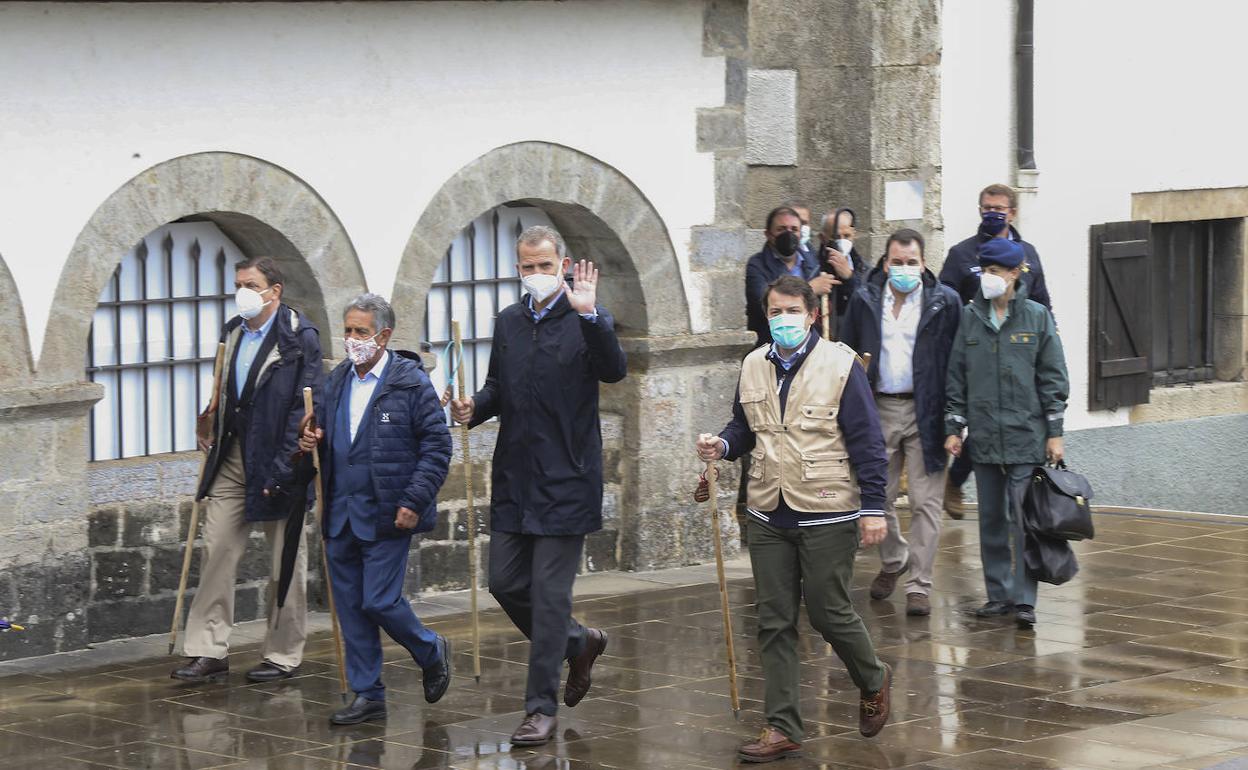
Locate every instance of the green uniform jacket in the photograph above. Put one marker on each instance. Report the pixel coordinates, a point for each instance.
(1008, 386)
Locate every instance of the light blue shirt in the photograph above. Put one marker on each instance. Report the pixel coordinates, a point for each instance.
(538, 315)
(248, 346)
(362, 391)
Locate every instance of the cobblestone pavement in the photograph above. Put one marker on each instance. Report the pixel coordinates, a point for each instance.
(1142, 661)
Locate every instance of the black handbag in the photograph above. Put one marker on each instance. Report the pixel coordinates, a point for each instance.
(1057, 504)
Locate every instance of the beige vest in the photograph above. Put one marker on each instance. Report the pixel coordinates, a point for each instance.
(804, 454)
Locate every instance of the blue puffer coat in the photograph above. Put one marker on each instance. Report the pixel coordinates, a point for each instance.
(938, 326)
(411, 448)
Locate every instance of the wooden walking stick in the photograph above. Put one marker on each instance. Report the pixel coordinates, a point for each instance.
(213, 402)
(713, 488)
(827, 323)
(472, 509)
(318, 490)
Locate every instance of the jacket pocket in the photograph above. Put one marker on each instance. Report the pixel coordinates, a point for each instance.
(821, 467)
(757, 459)
(820, 417)
(753, 403)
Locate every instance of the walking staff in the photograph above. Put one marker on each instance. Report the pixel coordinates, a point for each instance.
(711, 477)
(192, 530)
(550, 352)
(472, 508)
(272, 352)
(804, 413)
(384, 451)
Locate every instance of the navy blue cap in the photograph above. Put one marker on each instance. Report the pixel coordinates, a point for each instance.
(1001, 251)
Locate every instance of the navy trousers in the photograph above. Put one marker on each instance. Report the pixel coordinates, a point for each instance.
(368, 591)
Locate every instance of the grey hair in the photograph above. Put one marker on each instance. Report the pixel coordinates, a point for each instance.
(535, 235)
(383, 314)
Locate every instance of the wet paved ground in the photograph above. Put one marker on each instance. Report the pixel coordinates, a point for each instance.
(1142, 661)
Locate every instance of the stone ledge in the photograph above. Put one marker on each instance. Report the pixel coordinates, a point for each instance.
(1188, 402)
(687, 349)
(63, 398)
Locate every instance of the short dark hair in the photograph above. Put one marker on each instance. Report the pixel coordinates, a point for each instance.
(791, 286)
(267, 267)
(1000, 189)
(777, 211)
(905, 236)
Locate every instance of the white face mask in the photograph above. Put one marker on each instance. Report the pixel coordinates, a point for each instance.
(361, 351)
(541, 286)
(805, 235)
(992, 285)
(250, 302)
(844, 245)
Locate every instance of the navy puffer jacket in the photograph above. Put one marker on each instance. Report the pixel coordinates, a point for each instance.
(411, 450)
(938, 326)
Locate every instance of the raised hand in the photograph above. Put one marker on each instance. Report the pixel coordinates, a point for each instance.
(584, 295)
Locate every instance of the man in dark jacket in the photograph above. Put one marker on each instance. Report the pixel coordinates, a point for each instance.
(998, 208)
(385, 451)
(1007, 387)
(839, 257)
(907, 320)
(550, 351)
(272, 352)
(782, 255)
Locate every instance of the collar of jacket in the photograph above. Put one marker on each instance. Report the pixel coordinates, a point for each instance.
(804, 258)
(401, 372)
(794, 363)
(1014, 234)
(560, 307)
(982, 308)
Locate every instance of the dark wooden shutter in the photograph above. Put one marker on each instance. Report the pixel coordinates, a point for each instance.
(1121, 329)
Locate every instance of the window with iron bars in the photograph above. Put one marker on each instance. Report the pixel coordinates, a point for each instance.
(1183, 298)
(154, 337)
(476, 279)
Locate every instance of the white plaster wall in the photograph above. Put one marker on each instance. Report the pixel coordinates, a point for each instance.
(1131, 96)
(375, 105)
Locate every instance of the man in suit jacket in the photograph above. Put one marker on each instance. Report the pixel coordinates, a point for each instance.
(385, 451)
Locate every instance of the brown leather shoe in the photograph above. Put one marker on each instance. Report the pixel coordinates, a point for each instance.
(953, 502)
(536, 729)
(873, 710)
(884, 583)
(770, 746)
(918, 605)
(202, 669)
(578, 672)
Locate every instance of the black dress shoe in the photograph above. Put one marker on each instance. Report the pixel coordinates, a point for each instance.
(203, 670)
(1025, 616)
(361, 710)
(994, 610)
(437, 678)
(270, 672)
(580, 667)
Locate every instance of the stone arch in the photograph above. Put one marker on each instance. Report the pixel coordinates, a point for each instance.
(602, 214)
(15, 360)
(263, 208)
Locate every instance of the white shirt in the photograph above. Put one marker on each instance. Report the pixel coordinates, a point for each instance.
(362, 391)
(897, 341)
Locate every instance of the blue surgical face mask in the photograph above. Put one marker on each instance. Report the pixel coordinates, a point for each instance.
(904, 278)
(991, 223)
(788, 330)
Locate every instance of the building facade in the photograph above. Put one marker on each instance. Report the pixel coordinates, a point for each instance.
(395, 147)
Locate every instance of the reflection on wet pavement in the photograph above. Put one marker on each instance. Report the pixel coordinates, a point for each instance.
(1142, 661)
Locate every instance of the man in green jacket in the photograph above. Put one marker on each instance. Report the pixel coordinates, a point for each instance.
(1007, 387)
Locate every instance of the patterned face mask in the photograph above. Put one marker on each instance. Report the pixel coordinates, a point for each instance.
(361, 351)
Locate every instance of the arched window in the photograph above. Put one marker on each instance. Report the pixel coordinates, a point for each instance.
(476, 279)
(154, 337)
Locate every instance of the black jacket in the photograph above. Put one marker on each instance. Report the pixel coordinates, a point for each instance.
(961, 270)
(845, 291)
(761, 269)
(543, 387)
(411, 445)
(938, 326)
(266, 417)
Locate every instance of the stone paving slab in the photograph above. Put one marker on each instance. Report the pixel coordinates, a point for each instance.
(1139, 662)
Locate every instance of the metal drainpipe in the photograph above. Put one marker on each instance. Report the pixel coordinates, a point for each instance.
(1026, 177)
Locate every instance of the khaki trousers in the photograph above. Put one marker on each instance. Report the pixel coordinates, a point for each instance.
(226, 532)
(926, 491)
